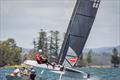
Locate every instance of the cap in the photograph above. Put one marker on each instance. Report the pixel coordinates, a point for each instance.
(40, 50)
(33, 71)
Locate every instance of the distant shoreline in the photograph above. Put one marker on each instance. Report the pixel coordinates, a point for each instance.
(15, 66)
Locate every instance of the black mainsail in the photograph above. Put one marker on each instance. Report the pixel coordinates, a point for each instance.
(78, 30)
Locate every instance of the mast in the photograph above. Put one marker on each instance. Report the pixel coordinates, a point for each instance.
(78, 29)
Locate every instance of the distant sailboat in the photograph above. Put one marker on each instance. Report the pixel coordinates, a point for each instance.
(78, 30)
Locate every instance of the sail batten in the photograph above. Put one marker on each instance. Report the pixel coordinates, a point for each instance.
(78, 30)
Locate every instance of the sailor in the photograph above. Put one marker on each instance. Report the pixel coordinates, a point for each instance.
(24, 71)
(88, 76)
(39, 58)
(32, 74)
(53, 65)
(62, 68)
(17, 72)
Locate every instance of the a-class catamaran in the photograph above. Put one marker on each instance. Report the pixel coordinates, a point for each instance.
(77, 33)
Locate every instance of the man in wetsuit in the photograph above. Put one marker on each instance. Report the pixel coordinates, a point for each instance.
(39, 58)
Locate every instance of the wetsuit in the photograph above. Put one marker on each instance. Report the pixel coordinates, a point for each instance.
(32, 76)
(39, 59)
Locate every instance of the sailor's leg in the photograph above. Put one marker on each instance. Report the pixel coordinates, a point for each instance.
(47, 65)
(47, 62)
(38, 61)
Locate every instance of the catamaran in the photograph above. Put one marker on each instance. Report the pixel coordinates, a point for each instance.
(77, 33)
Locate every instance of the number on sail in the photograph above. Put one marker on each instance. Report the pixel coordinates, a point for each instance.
(95, 3)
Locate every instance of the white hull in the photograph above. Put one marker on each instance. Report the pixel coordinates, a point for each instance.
(34, 63)
(55, 70)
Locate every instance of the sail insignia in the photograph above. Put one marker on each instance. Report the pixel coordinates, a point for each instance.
(71, 57)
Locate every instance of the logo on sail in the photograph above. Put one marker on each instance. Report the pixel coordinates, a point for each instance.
(73, 59)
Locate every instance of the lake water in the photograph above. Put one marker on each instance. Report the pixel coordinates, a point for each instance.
(96, 74)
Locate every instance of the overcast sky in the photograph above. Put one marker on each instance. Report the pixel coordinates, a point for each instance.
(23, 19)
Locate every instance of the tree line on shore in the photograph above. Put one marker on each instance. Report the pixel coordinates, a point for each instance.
(9, 52)
(87, 60)
(49, 42)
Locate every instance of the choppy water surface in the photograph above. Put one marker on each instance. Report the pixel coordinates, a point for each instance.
(96, 74)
